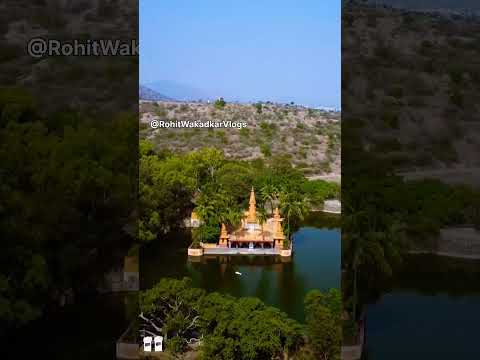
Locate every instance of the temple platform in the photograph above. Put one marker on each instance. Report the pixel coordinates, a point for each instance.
(240, 251)
(215, 250)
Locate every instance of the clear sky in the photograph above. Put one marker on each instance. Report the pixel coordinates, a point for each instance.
(246, 50)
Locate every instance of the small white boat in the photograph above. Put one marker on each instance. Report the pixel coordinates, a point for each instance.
(238, 273)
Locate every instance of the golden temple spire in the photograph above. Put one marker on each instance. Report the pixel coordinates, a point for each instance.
(276, 213)
(223, 237)
(252, 211)
(252, 197)
(278, 226)
(223, 232)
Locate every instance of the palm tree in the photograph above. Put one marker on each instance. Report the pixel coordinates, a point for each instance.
(269, 192)
(232, 216)
(294, 207)
(262, 216)
(373, 241)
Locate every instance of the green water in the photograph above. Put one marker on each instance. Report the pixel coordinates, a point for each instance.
(283, 283)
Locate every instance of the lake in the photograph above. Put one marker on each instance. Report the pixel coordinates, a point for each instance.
(432, 311)
(279, 282)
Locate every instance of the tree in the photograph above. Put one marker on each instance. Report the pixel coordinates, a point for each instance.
(246, 328)
(232, 217)
(231, 328)
(205, 163)
(269, 192)
(65, 176)
(319, 190)
(171, 309)
(220, 103)
(324, 327)
(294, 207)
(206, 233)
(236, 179)
(262, 216)
(215, 207)
(266, 150)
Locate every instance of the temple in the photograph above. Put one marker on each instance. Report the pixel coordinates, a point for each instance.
(253, 233)
(253, 236)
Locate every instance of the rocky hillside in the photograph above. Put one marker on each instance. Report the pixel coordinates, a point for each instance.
(84, 83)
(412, 85)
(310, 138)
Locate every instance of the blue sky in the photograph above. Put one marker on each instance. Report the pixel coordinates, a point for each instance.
(245, 50)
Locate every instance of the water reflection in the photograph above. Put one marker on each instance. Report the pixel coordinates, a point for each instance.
(280, 282)
(432, 307)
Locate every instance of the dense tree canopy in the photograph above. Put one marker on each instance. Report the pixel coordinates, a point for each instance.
(324, 326)
(171, 185)
(231, 328)
(67, 190)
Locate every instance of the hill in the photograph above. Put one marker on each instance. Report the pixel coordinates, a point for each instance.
(148, 94)
(426, 115)
(310, 138)
(178, 91)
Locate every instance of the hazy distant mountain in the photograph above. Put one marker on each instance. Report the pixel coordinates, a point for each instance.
(178, 91)
(146, 93)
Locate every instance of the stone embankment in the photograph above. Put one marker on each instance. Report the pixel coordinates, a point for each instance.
(458, 242)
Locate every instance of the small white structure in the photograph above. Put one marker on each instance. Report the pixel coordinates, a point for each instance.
(158, 341)
(332, 206)
(147, 344)
(193, 221)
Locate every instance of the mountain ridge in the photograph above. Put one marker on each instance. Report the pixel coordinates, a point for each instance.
(145, 93)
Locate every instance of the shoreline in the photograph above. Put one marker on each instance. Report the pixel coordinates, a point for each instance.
(444, 254)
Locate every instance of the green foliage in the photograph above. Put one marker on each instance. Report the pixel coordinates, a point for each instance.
(172, 185)
(166, 186)
(220, 104)
(232, 328)
(258, 107)
(384, 217)
(266, 150)
(207, 233)
(268, 129)
(269, 192)
(62, 177)
(319, 190)
(222, 136)
(303, 153)
(244, 132)
(294, 206)
(324, 326)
